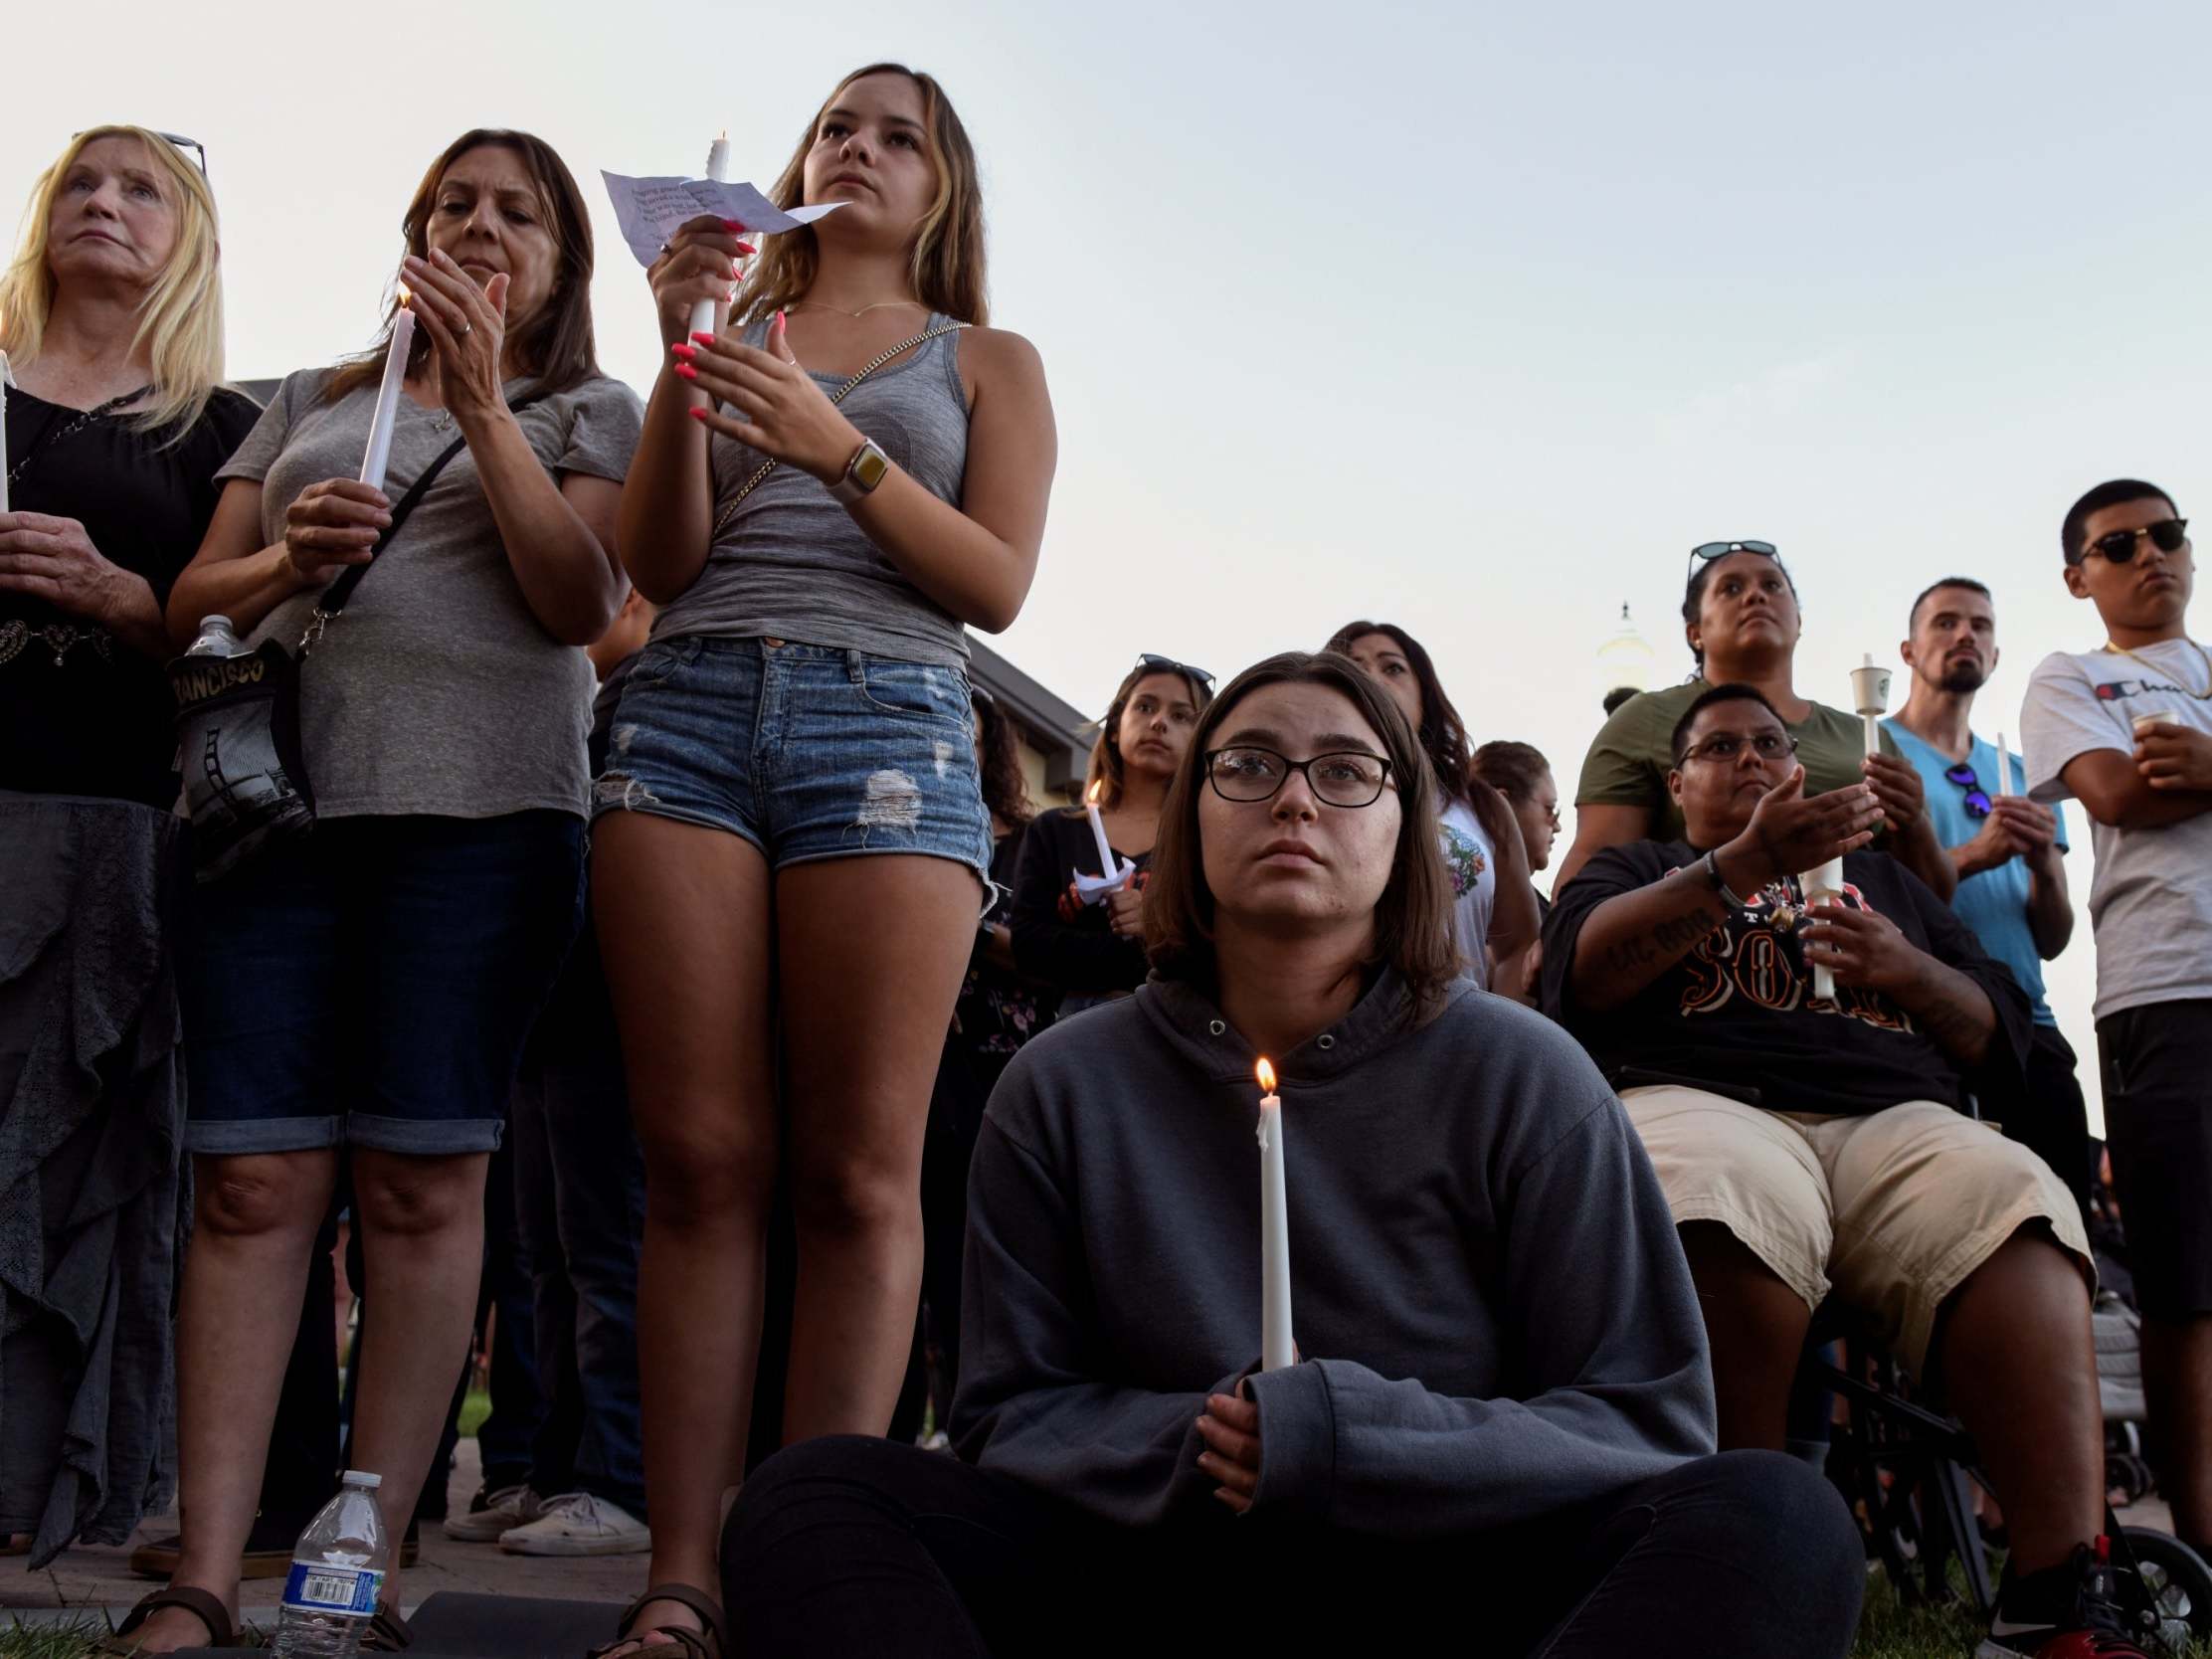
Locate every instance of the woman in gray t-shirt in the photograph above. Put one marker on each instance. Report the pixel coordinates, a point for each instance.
(790, 819)
(370, 985)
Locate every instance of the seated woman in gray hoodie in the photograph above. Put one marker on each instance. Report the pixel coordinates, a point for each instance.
(1503, 1412)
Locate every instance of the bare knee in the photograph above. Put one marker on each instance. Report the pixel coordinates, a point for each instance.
(858, 1193)
(700, 1172)
(403, 1196)
(257, 1194)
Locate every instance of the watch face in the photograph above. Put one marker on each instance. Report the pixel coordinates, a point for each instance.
(869, 466)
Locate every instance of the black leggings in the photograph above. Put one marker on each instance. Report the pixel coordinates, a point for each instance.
(849, 1546)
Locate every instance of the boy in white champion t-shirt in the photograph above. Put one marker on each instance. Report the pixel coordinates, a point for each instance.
(2126, 729)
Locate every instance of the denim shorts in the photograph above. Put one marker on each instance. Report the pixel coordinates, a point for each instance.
(808, 752)
(372, 982)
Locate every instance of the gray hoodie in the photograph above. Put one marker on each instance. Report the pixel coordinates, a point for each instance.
(1494, 1310)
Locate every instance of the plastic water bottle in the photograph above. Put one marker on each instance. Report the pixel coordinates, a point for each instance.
(217, 638)
(338, 1569)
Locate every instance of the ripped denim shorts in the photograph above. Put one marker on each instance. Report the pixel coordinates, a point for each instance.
(808, 752)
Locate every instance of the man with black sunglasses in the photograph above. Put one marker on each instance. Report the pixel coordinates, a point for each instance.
(2009, 850)
(2126, 729)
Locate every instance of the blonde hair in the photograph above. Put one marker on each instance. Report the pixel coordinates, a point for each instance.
(946, 264)
(180, 321)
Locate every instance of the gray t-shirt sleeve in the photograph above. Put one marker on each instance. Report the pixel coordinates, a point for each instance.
(2059, 721)
(605, 421)
(258, 453)
(1617, 1376)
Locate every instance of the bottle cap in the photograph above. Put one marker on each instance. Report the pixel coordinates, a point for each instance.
(362, 1478)
(214, 616)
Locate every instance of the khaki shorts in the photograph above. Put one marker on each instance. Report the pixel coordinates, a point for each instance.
(1894, 1210)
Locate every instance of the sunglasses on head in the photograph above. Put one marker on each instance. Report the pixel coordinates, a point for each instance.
(181, 142)
(1169, 665)
(2120, 547)
(1722, 549)
(1977, 798)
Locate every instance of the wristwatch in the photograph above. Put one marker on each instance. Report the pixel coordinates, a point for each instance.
(1720, 886)
(862, 474)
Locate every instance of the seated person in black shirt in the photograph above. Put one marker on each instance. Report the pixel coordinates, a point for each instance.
(1808, 1143)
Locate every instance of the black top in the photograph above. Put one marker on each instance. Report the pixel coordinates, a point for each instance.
(1738, 1016)
(97, 721)
(1055, 938)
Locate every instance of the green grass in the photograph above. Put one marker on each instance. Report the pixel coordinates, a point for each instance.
(473, 1409)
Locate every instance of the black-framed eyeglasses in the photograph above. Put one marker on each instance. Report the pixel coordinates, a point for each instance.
(2169, 535)
(1345, 777)
(1977, 798)
(1169, 665)
(1725, 746)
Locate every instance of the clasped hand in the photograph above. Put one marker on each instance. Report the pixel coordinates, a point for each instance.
(467, 328)
(1860, 948)
(54, 559)
(2172, 757)
(1230, 1430)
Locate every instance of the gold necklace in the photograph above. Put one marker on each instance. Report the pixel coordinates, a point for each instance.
(822, 306)
(2204, 696)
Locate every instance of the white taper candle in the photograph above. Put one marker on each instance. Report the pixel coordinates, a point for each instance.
(1276, 1348)
(717, 170)
(388, 393)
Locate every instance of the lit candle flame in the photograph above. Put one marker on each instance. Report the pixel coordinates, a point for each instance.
(406, 294)
(1091, 795)
(1266, 1076)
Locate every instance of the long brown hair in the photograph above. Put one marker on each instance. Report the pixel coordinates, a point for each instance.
(1105, 770)
(1006, 791)
(1413, 918)
(556, 347)
(1443, 734)
(946, 262)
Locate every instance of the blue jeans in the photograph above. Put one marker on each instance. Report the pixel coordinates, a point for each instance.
(580, 1192)
(372, 983)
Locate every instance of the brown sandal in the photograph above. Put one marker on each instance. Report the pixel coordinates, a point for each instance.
(387, 1632)
(677, 1643)
(207, 1609)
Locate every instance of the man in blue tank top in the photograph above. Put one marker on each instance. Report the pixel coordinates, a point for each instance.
(2010, 853)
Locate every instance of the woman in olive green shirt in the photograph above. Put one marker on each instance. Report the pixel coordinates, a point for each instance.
(1740, 616)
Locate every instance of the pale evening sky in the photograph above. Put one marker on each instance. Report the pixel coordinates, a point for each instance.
(1470, 316)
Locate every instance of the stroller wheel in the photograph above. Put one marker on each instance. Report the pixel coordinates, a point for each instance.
(2176, 1581)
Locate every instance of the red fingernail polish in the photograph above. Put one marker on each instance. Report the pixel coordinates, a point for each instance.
(781, 321)
(705, 339)
(696, 413)
(686, 370)
(733, 226)
(747, 248)
(682, 350)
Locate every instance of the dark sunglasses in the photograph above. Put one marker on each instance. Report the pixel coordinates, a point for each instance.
(1722, 549)
(1977, 798)
(2167, 535)
(1169, 665)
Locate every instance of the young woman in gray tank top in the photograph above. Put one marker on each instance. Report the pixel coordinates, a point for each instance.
(789, 820)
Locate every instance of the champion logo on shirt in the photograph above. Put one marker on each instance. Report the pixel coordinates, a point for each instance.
(2115, 690)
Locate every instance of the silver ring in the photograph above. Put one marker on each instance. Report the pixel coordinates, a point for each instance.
(465, 328)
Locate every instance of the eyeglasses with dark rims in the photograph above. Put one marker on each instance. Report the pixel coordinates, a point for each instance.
(1725, 746)
(1345, 777)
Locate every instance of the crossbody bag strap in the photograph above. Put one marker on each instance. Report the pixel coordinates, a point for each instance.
(768, 465)
(334, 597)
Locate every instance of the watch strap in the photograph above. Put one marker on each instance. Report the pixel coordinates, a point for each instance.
(1728, 895)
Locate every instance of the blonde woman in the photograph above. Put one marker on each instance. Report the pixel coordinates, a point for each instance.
(112, 315)
(791, 817)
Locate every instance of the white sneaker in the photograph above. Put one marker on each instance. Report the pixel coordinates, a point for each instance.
(578, 1524)
(494, 1513)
